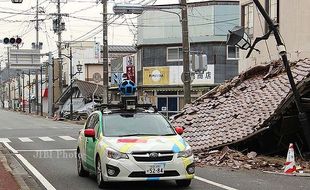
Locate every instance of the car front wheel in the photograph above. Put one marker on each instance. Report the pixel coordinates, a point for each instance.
(81, 171)
(183, 183)
(100, 181)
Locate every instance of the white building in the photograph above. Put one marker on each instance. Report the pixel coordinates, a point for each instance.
(293, 19)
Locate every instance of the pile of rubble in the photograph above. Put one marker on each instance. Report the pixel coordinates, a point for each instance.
(237, 160)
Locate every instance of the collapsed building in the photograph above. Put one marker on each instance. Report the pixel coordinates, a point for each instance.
(253, 111)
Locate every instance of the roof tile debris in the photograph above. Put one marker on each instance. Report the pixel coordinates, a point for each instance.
(87, 88)
(237, 160)
(240, 108)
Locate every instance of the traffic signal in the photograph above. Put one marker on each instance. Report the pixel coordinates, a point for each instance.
(17, 40)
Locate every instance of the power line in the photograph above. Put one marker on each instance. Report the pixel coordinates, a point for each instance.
(83, 9)
(19, 13)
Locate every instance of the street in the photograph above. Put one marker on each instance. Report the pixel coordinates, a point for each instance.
(47, 150)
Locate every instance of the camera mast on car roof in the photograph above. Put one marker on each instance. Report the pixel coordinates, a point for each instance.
(129, 101)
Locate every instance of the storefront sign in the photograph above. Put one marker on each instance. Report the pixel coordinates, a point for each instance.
(207, 77)
(171, 75)
(156, 76)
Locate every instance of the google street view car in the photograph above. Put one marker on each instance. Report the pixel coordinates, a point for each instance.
(133, 142)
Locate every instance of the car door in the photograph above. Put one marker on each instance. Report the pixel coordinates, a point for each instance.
(83, 140)
(91, 143)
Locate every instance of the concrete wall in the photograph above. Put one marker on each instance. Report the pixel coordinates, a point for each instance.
(294, 28)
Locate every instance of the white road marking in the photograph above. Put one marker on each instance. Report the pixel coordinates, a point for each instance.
(36, 173)
(214, 183)
(4, 140)
(67, 138)
(32, 169)
(25, 139)
(50, 150)
(10, 148)
(46, 139)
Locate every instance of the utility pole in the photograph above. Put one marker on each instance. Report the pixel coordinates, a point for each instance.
(29, 97)
(59, 30)
(37, 92)
(302, 115)
(37, 47)
(50, 85)
(23, 95)
(37, 25)
(185, 42)
(9, 78)
(41, 96)
(105, 60)
(19, 91)
(71, 76)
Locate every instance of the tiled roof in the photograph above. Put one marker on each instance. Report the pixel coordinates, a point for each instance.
(86, 88)
(121, 49)
(241, 107)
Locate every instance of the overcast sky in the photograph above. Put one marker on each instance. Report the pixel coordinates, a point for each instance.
(83, 22)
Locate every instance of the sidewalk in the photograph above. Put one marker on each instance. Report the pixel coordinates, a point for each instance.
(12, 174)
(7, 180)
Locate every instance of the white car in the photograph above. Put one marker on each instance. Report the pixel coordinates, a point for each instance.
(140, 145)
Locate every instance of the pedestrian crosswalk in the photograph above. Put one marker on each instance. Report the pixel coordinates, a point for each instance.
(25, 139)
(46, 139)
(33, 139)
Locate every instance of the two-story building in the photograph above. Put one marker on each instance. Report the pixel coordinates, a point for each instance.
(292, 18)
(159, 57)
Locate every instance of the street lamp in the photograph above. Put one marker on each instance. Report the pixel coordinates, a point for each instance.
(237, 37)
(234, 39)
(79, 70)
(132, 9)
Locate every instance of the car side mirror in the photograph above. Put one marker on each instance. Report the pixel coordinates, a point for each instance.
(179, 130)
(89, 133)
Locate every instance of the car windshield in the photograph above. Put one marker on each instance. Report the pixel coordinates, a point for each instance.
(136, 124)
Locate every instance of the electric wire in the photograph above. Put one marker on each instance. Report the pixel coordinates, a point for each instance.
(19, 13)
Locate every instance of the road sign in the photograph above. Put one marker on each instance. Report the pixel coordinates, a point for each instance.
(24, 58)
(116, 78)
(192, 76)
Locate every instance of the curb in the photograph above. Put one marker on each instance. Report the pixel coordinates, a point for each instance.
(20, 181)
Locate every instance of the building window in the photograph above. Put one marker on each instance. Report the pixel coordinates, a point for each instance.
(232, 52)
(273, 9)
(174, 54)
(248, 18)
(168, 106)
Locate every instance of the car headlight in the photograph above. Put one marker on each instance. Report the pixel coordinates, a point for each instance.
(114, 154)
(186, 153)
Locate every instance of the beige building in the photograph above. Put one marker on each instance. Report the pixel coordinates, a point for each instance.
(293, 17)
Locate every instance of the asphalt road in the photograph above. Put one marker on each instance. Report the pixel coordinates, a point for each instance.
(48, 148)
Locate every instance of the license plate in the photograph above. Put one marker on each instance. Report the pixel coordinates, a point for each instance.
(155, 169)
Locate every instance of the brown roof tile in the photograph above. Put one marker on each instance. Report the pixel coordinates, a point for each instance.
(235, 110)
